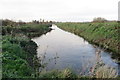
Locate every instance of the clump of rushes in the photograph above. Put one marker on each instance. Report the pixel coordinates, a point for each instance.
(106, 72)
(100, 70)
(66, 73)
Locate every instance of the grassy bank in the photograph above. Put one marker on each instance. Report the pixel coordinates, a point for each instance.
(19, 51)
(103, 34)
(19, 58)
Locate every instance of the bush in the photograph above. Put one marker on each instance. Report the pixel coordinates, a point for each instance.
(99, 19)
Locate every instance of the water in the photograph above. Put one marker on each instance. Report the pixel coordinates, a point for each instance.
(62, 50)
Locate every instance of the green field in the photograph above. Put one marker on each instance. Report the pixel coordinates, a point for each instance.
(103, 34)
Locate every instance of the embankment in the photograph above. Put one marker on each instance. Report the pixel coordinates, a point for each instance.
(19, 52)
(103, 34)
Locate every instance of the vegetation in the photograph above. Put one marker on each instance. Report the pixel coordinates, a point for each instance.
(99, 19)
(19, 54)
(103, 34)
(66, 73)
(18, 50)
(17, 59)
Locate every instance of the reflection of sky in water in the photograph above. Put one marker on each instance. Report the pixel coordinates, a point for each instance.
(73, 51)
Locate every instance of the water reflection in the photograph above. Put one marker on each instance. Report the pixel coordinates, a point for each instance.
(64, 49)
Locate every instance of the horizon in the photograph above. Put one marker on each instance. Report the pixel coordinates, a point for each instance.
(55, 21)
(59, 11)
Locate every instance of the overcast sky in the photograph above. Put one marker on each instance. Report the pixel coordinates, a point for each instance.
(58, 10)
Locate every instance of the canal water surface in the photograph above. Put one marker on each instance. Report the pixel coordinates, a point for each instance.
(61, 50)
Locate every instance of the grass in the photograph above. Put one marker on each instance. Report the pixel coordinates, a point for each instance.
(103, 72)
(29, 30)
(66, 73)
(106, 72)
(15, 59)
(19, 51)
(103, 34)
